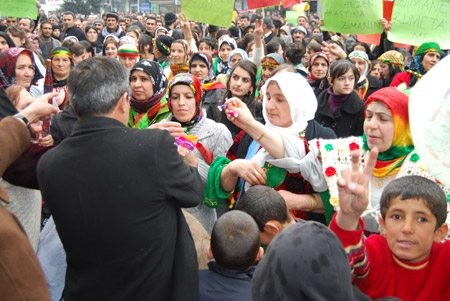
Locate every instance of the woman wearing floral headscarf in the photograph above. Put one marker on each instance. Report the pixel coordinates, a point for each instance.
(180, 53)
(212, 139)
(318, 71)
(226, 45)
(367, 84)
(427, 55)
(147, 105)
(17, 66)
(268, 63)
(201, 67)
(391, 63)
(386, 127)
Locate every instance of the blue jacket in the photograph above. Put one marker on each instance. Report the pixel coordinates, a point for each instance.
(219, 283)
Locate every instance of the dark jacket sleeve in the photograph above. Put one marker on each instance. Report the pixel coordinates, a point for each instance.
(181, 182)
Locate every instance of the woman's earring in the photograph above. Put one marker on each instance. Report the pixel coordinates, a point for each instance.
(249, 93)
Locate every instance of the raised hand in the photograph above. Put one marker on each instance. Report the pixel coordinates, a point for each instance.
(353, 186)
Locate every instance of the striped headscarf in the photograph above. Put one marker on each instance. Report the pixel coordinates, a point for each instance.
(390, 161)
(392, 57)
(196, 86)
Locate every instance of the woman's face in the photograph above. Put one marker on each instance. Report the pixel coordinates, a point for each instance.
(182, 100)
(56, 33)
(240, 83)
(128, 62)
(203, 47)
(92, 35)
(111, 50)
(135, 37)
(280, 51)
(384, 70)
(430, 59)
(308, 54)
(17, 41)
(360, 65)
(236, 58)
(3, 44)
(225, 52)
(177, 53)
(319, 68)
(24, 71)
(141, 85)
(316, 32)
(359, 48)
(344, 84)
(61, 67)
(79, 58)
(266, 71)
(199, 69)
(376, 71)
(277, 107)
(379, 126)
(252, 48)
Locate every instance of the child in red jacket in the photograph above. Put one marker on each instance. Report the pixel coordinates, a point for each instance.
(407, 260)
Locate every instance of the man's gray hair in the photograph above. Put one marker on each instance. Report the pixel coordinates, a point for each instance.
(96, 85)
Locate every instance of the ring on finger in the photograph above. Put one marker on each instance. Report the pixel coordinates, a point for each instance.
(256, 172)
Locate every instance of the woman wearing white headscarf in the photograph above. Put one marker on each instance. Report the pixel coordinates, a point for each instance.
(283, 160)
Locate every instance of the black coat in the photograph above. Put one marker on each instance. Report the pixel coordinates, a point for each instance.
(116, 195)
(74, 31)
(347, 120)
(62, 124)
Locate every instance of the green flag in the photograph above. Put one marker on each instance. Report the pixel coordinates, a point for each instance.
(352, 16)
(214, 12)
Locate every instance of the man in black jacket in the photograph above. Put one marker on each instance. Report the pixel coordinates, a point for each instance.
(116, 195)
(69, 28)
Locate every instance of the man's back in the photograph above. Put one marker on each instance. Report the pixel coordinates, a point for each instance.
(115, 194)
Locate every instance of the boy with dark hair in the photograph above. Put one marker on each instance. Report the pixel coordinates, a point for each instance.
(235, 247)
(407, 260)
(268, 209)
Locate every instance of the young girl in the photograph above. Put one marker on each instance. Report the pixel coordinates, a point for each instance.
(226, 45)
(339, 107)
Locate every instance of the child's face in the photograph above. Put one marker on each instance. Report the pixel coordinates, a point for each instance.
(203, 47)
(409, 228)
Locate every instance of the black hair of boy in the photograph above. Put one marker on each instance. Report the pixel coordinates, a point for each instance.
(235, 240)
(416, 187)
(210, 41)
(264, 204)
(340, 67)
(295, 53)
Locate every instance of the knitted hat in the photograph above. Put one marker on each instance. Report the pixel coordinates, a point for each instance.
(128, 50)
(170, 18)
(99, 20)
(392, 57)
(112, 15)
(428, 47)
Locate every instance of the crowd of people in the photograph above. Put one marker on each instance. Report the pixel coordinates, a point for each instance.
(185, 161)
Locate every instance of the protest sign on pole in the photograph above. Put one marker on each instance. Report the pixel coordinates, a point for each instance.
(214, 12)
(19, 8)
(415, 22)
(352, 16)
(254, 4)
